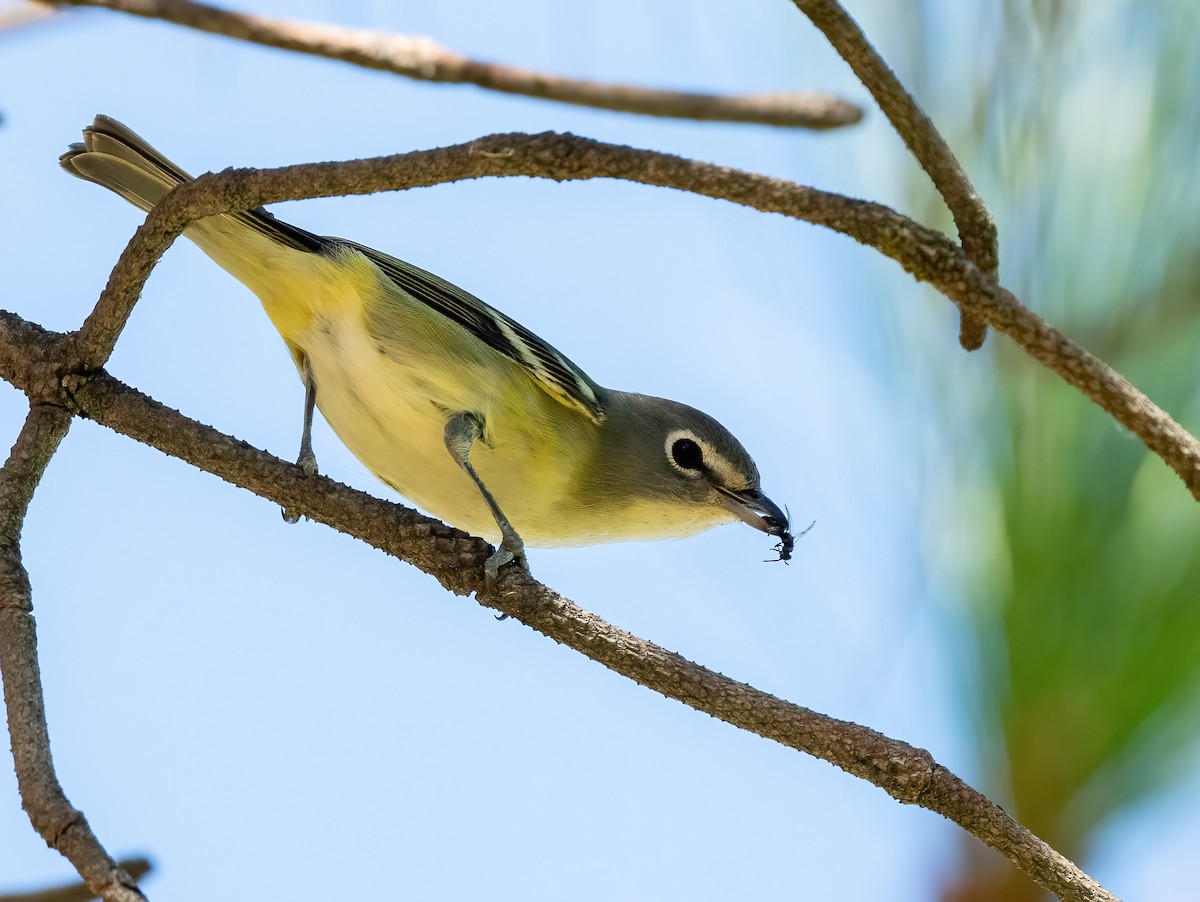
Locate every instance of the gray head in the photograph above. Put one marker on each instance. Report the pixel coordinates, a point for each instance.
(679, 471)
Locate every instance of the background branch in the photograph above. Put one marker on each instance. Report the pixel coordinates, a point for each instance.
(423, 59)
(26, 14)
(58, 822)
(976, 228)
(926, 254)
(137, 868)
(906, 773)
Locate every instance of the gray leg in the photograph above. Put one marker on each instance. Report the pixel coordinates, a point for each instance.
(462, 431)
(307, 460)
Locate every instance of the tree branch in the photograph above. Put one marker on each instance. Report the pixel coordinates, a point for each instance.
(62, 374)
(928, 255)
(26, 14)
(423, 59)
(908, 774)
(58, 822)
(976, 229)
(136, 868)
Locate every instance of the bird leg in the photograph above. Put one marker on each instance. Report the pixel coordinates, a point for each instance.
(462, 431)
(307, 460)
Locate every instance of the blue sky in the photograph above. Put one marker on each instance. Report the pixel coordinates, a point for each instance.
(304, 717)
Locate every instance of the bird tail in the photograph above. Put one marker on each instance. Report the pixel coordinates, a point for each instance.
(122, 161)
(297, 275)
(115, 156)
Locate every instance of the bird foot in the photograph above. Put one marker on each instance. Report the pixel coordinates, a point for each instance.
(501, 557)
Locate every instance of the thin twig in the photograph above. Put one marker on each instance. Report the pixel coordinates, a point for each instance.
(927, 254)
(976, 228)
(25, 14)
(58, 822)
(421, 58)
(907, 773)
(137, 868)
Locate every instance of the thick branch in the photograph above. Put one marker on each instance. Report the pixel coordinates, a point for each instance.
(926, 254)
(58, 822)
(976, 229)
(423, 59)
(907, 773)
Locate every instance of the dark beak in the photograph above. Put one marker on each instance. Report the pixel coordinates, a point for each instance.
(755, 508)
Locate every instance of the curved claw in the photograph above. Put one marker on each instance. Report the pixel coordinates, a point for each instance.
(307, 462)
(501, 557)
(491, 569)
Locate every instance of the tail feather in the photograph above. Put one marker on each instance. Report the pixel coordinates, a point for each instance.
(115, 157)
(119, 159)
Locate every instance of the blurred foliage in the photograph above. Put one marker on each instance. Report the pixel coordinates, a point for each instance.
(1079, 123)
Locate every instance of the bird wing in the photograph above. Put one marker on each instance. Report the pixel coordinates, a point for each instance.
(553, 372)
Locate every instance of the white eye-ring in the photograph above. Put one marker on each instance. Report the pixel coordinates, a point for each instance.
(685, 453)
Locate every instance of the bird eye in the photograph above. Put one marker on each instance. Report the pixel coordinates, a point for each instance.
(687, 454)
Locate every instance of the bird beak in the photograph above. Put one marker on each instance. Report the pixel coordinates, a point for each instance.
(755, 508)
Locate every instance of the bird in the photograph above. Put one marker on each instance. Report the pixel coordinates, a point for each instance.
(456, 406)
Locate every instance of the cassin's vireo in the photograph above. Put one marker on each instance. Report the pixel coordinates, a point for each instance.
(450, 402)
